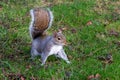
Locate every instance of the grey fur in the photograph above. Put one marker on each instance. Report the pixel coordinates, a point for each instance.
(42, 47)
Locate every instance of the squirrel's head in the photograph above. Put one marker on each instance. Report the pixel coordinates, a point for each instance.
(59, 38)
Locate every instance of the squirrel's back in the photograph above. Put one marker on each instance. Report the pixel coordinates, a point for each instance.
(41, 20)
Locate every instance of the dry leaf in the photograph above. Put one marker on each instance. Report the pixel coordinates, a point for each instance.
(12, 76)
(22, 78)
(114, 33)
(97, 76)
(73, 30)
(106, 59)
(89, 23)
(94, 77)
(90, 77)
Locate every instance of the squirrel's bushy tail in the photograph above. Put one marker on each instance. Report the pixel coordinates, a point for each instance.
(41, 20)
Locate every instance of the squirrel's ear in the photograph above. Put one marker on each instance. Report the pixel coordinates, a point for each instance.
(55, 34)
(59, 31)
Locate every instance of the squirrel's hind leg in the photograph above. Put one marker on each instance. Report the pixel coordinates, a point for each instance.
(34, 53)
(44, 58)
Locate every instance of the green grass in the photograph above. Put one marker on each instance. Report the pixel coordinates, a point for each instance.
(83, 38)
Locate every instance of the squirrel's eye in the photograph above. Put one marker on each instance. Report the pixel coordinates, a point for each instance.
(59, 38)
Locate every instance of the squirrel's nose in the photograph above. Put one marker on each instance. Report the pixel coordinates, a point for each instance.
(65, 43)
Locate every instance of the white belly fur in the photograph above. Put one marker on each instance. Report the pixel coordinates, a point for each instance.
(55, 49)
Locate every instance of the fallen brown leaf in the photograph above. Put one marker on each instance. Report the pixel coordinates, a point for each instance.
(94, 77)
(90, 77)
(101, 58)
(114, 33)
(106, 59)
(73, 30)
(89, 23)
(22, 78)
(12, 76)
(97, 76)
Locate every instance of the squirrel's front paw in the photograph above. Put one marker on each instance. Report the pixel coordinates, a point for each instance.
(42, 64)
(68, 62)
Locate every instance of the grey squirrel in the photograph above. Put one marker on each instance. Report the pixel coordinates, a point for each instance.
(43, 44)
